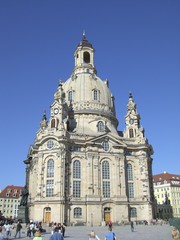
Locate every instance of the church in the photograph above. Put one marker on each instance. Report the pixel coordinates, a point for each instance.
(81, 170)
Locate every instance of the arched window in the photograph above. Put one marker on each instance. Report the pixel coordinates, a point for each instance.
(50, 168)
(100, 126)
(76, 178)
(70, 96)
(131, 133)
(105, 170)
(77, 212)
(86, 57)
(76, 169)
(95, 95)
(129, 172)
(106, 179)
(53, 123)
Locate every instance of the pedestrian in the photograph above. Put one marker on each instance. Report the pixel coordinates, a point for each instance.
(7, 228)
(32, 226)
(63, 228)
(175, 233)
(56, 235)
(93, 236)
(18, 229)
(1, 235)
(132, 226)
(28, 231)
(37, 236)
(110, 235)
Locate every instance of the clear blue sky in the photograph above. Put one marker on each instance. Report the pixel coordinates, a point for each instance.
(137, 48)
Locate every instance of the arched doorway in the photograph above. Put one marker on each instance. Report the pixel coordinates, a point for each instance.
(107, 214)
(47, 214)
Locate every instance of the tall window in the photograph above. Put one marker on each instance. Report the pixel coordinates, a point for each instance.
(70, 96)
(131, 190)
(100, 126)
(50, 168)
(49, 188)
(130, 180)
(95, 94)
(76, 178)
(131, 133)
(106, 179)
(129, 172)
(133, 212)
(76, 169)
(76, 188)
(86, 57)
(53, 123)
(77, 212)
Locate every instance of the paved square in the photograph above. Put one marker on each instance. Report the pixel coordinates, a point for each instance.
(141, 232)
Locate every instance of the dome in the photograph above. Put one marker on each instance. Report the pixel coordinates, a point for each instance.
(89, 93)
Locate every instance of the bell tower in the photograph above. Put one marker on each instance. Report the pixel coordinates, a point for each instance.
(84, 57)
(133, 128)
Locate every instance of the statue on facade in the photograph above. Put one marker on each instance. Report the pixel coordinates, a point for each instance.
(24, 198)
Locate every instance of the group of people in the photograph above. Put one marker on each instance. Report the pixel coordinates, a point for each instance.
(34, 230)
(33, 227)
(56, 235)
(110, 235)
(8, 228)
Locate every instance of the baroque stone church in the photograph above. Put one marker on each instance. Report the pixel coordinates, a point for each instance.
(81, 169)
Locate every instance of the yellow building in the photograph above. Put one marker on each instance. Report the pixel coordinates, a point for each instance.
(168, 185)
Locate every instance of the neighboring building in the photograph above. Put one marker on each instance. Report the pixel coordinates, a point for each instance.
(81, 169)
(167, 186)
(9, 201)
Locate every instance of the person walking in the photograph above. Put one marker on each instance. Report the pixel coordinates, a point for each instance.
(110, 235)
(18, 230)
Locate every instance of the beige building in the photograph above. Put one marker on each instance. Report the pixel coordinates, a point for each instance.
(167, 185)
(81, 169)
(9, 201)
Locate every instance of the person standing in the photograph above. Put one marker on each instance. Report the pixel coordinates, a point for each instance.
(7, 228)
(18, 230)
(132, 226)
(110, 235)
(56, 235)
(63, 228)
(1, 235)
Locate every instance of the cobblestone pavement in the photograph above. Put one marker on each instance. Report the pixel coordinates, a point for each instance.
(141, 232)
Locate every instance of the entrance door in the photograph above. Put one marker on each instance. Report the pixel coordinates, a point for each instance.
(47, 215)
(107, 214)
